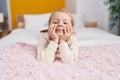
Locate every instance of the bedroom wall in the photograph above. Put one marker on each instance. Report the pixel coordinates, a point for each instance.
(94, 10)
(3, 7)
(91, 10)
(5, 11)
(19, 7)
(71, 5)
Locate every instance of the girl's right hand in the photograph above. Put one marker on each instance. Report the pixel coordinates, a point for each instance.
(68, 31)
(52, 33)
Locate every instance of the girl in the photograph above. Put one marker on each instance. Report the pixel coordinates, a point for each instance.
(59, 41)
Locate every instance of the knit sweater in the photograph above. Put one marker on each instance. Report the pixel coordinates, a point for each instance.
(48, 50)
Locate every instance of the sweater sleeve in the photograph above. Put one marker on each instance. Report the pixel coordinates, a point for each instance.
(69, 51)
(46, 50)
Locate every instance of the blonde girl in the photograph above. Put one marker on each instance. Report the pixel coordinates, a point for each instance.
(59, 42)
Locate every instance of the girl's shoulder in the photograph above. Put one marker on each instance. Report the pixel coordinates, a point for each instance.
(73, 38)
(44, 35)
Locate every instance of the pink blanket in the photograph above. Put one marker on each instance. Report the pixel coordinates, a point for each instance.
(18, 62)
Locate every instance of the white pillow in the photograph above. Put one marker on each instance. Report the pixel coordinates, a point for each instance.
(36, 21)
(40, 21)
(78, 21)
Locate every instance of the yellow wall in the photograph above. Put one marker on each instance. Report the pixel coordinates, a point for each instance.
(19, 7)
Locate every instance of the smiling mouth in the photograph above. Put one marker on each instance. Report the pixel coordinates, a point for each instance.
(59, 30)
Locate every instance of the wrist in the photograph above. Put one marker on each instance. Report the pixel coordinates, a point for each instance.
(56, 40)
(62, 40)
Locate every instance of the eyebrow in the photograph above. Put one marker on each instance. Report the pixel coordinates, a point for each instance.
(58, 19)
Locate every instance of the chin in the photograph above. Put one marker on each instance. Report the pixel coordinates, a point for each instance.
(59, 34)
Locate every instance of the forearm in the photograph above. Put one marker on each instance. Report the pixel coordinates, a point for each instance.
(66, 54)
(48, 54)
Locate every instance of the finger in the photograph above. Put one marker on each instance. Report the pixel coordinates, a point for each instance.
(65, 29)
(71, 29)
(68, 28)
(54, 28)
(49, 28)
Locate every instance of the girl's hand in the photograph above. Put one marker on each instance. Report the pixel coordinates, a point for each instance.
(68, 31)
(52, 33)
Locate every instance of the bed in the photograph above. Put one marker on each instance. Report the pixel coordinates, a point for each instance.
(99, 54)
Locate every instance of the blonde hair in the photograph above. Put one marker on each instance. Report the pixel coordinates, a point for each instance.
(62, 10)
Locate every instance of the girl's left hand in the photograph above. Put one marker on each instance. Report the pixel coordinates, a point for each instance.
(52, 33)
(68, 31)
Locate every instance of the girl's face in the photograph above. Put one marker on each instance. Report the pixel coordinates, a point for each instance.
(60, 20)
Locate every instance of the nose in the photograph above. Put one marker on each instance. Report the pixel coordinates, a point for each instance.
(60, 24)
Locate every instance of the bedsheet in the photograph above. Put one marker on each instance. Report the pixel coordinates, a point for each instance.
(85, 36)
(21, 35)
(96, 36)
(101, 62)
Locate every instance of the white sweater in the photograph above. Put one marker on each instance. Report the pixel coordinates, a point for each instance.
(68, 51)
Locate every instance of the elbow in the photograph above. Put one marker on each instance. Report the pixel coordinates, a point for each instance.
(44, 58)
(70, 60)
(48, 60)
(38, 56)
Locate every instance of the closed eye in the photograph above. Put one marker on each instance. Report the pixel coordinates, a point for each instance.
(65, 23)
(54, 22)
